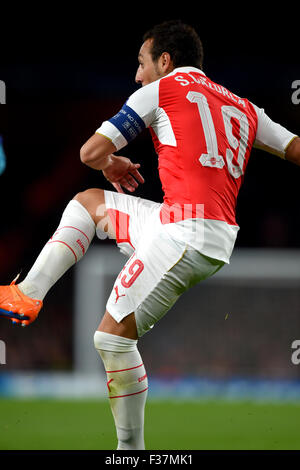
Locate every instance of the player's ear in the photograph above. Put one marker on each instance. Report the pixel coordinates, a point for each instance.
(165, 62)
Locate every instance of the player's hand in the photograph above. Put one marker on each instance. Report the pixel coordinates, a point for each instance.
(122, 173)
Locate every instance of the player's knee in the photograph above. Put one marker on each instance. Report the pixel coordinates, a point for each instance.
(107, 342)
(89, 195)
(91, 199)
(100, 341)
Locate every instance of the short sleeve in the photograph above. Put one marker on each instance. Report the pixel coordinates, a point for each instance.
(138, 112)
(271, 136)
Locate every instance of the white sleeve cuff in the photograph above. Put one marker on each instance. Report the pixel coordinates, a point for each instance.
(112, 133)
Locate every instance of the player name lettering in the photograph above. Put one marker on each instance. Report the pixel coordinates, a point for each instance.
(203, 81)
(116, 460)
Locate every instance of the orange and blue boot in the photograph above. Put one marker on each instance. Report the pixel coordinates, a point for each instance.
(17, 306)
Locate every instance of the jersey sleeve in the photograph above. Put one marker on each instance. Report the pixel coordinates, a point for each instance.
(138, 112)
(271, 136)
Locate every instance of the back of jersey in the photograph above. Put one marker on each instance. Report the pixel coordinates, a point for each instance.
(203, 135)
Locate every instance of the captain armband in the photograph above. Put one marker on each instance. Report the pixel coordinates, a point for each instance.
(128, 122)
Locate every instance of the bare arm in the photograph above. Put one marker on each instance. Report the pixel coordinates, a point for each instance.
(292, 153)
(97, 153)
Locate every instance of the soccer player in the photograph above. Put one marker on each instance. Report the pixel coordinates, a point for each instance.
(203, 135)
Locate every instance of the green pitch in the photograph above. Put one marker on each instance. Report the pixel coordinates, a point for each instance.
(202, 425)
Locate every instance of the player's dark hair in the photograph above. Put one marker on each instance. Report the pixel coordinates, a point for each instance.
(178, 39)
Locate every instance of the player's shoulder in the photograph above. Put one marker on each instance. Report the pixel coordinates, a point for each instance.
(147, 94)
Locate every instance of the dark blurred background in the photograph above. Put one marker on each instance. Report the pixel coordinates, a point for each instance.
(65, 72)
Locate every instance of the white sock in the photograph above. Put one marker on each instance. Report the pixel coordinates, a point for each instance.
(127, 385)
(67, 246)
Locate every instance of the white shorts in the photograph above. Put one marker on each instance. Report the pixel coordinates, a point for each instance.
(160, 268)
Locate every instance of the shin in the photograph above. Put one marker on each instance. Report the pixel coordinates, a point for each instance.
(127, 387)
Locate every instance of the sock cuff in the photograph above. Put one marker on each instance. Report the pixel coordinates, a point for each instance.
(78, 209)
(76, 216)
(108, 342)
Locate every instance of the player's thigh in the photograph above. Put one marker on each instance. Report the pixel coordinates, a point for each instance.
(141, 273)
(126, 328)
(191, 269)
(153, 279)
(129, 216)
(120, 216)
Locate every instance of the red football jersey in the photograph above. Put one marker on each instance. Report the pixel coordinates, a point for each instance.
(214, 131)
(203, 135)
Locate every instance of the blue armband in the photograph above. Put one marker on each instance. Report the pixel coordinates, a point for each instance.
(128, 122)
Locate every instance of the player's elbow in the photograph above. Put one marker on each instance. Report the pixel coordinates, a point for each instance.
(293, 151)
(86, 154)
(91, 151)
(95, 150)
(90, 156)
